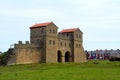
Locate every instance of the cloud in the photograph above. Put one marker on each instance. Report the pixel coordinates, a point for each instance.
(30, 13)
(98, 19)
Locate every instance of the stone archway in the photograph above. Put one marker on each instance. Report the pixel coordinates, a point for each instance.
(59, 56)
(67, 56)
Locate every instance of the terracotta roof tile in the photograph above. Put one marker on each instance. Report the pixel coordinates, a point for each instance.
(68, 30)
(40, 25)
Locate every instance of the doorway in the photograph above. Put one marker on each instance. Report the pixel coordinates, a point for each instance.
(59, 56)
(67, 56)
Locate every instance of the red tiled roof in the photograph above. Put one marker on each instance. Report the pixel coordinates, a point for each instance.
(68, 30)
(40, 25)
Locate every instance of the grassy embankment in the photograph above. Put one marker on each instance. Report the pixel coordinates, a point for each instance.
(91, 70)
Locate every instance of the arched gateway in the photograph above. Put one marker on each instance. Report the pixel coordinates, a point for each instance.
(67, 56)
(59, 56)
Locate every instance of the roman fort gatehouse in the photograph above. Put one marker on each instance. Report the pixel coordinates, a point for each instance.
(48, 45)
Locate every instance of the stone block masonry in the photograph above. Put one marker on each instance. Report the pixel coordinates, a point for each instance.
(48, 45)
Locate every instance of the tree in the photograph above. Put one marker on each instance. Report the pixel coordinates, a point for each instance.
(2, 56)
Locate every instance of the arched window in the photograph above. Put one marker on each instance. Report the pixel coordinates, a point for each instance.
(69, 45)
(53, 42)
(42, 30)
(38, 41)
(79, 45)
(67, 34)
(50, 42)
(79, 36)
(50, 30)
(76, 35)
(61, 43)
(53, 31)
(65, 44)
(76, 45)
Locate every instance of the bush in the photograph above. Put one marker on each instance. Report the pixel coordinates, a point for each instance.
(2, 56)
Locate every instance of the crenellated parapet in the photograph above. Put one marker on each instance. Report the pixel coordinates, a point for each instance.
(27, 44)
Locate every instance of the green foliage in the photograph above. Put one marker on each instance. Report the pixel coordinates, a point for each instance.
(2, 56)
(103, 70)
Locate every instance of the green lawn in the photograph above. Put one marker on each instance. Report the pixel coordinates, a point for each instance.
(91, 70)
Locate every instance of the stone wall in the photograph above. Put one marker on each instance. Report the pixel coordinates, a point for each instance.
(78, 50)
(25, 53)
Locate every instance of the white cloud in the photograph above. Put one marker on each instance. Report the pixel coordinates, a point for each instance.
(98, 19)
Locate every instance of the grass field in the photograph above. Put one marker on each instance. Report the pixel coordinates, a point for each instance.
(91, 70)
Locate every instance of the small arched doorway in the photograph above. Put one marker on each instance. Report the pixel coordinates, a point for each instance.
(67, 56)
(59, 56)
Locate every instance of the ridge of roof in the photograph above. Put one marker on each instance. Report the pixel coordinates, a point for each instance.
(68, 30)
(40, 25)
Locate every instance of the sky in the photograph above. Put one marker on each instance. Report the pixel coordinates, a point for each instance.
(99, 20)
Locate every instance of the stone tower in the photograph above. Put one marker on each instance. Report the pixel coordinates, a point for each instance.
(45, 36)
(72, 48)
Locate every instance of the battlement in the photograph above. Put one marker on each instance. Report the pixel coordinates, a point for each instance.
(24, 45)
(26, 42)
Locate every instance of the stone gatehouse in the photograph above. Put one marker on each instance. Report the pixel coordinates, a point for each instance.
(48, 45)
